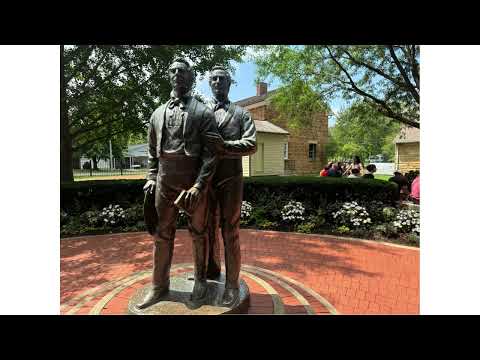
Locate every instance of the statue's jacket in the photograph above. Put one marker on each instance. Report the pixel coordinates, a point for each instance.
(198, 122)
(238, 131)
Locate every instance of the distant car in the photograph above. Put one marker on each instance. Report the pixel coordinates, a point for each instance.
(136, 166)
(376, 159)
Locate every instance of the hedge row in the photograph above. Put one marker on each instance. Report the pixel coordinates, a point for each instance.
(84, 195)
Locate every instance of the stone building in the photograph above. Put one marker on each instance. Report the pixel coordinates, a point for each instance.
(303, 150)
(407, 149)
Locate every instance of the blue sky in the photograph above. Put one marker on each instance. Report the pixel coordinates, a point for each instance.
(245, 86)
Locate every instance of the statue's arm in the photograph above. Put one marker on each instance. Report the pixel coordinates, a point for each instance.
(209, 157)
(152, 150)
(247, 145)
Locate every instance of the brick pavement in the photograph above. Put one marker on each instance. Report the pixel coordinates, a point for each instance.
(287, 273)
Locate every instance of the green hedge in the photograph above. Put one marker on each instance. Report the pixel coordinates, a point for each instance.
(314, 191)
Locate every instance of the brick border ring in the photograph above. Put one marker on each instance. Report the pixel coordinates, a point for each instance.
(105, 293)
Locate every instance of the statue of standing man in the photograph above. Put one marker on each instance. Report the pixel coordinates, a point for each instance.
(236, 137)
(179, 160)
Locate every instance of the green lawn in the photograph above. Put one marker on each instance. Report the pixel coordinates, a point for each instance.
(382, 177)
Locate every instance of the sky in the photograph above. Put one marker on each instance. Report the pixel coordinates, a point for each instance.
(245, 86)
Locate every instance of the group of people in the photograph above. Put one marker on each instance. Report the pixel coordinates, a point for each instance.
(354, 169)
(408, 184)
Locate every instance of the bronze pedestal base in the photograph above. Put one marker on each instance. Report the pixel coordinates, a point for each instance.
(177, 301)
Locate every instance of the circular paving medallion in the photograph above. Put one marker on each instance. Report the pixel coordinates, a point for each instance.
(262, 291)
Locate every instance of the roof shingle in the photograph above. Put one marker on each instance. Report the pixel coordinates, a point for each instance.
(254, 99)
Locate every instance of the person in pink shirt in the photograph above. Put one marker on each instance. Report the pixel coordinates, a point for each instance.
(415, 194)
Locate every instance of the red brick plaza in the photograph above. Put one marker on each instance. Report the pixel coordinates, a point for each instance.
(287, 273)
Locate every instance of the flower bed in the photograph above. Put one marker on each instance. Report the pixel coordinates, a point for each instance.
(363, 219)
(349, 207)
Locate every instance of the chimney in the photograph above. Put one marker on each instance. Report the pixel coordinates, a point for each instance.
(261, 88)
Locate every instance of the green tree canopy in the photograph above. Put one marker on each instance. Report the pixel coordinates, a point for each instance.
(386, 78)
(360, 130)
(112, 90)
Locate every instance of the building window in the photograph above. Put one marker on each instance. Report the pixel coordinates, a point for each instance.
(312, 151)
(285, 151)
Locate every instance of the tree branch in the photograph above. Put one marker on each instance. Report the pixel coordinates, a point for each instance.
(415, 72)
(378, 71)
(82, 146)
(388, 111)
(122, 99)
(98, 126)
(414, 92)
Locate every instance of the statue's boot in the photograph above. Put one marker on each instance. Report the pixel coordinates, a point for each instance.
(152, 297)
(162, 259)
(213, 273)
(230, 233)
(199, 293)
(231, 297)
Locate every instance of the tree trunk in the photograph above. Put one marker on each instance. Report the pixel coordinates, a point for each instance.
(95, 162)
(66, 156)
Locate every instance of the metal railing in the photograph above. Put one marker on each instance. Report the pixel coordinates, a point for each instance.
(119, 171)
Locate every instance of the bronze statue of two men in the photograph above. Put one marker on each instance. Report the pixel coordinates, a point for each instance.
(198, 148)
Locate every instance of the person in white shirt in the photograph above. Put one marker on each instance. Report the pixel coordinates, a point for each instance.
(355, 173)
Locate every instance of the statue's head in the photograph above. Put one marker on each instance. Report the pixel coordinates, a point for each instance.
(220, 81)
(181, 75)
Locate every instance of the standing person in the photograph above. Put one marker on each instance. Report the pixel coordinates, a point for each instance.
(179, 160)
(237, 138)
(415, 194)
(357, 164)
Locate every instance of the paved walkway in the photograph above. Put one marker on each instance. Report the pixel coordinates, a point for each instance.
(286, 273)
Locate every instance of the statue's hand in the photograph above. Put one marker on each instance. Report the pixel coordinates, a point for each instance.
(192, 197)
(149, 186)
(214, 138)
(215, 142)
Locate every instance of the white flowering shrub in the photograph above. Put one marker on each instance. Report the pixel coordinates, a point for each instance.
(352, 214)
(293, 212)
(246, 210)
(112, 215)
(408, 221)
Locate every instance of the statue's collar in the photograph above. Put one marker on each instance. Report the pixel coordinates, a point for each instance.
(181, 101)
(221, 104)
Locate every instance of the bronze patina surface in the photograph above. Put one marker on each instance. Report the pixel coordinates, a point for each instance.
(177, 301)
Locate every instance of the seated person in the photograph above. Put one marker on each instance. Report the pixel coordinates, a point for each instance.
(334, 171)
(355, 173)
(324, 171)
(415, 194)
(399, 179)
(371, 168)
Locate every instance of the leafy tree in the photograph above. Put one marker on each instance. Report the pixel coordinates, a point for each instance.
(297, 103)
(101, 149)
(112, 90)
(360, 130)
(331, 148)
(386, 78)
(139, 138)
